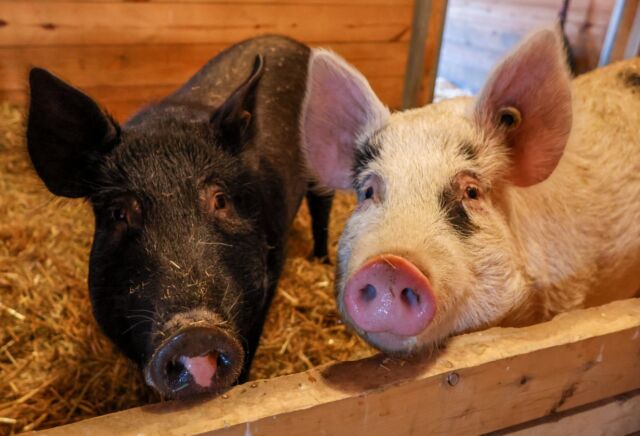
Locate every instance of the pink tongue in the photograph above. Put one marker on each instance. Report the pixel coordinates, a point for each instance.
(202, 368)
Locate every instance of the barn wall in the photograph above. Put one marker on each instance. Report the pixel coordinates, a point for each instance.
(126, 53)
(479, 32)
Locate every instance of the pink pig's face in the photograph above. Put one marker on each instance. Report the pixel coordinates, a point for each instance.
(429, 251)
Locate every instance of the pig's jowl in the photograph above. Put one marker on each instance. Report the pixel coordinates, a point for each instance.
(193, 198)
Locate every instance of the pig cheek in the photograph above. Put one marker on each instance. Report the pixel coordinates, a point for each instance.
(499, 281)
(351, 240)
(451, 283)
(344, 254)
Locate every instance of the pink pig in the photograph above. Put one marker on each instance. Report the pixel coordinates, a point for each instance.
(501, 210)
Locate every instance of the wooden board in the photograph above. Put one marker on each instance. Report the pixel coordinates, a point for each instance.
(122, 101)
(37, 22)
(478, 33)
(481, 382)
(424, 52)
(619, 415)
(124, 77)
(433, 45)
(619, 43)
(127, 54)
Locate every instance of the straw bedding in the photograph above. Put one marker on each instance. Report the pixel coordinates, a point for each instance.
(55, 365)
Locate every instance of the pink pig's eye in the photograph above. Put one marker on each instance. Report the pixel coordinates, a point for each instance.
(472, 193)
(368, 193)
(370, 189)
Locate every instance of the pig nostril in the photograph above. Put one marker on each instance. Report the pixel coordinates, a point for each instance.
(177, 374)
(223, 359)
(410, 297)
(174, 368)
(369, 293)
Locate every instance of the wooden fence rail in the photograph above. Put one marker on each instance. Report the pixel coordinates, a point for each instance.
(481, 382)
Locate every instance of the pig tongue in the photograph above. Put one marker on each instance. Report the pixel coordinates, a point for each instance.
(201, 368)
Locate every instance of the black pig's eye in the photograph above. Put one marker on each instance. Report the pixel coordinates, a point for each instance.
(219, 201)
(472, 193)
(216, 203)
(119, 214)
(125, 211)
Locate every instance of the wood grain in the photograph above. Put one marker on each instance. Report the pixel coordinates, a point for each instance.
(123, 101)
(170, 64)
(36, 23)
(433, 45)
(249, 2)
(630, 10)
(129, 53)
(138, 68)
(613, 416)
(478, 33)
(481, 382)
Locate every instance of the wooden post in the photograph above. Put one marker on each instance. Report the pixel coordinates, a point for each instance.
(481, 382)
(622, 33)
(633, 44)
(424, 52)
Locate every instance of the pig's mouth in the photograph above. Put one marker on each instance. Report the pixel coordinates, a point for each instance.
(196, 359)
(392, 344)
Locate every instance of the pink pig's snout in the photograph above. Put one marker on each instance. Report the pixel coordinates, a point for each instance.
(389, 294)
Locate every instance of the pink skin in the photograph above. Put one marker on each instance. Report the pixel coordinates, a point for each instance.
(201, 368)
(389, 294)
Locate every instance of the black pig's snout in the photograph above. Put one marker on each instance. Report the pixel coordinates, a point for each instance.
(195, 359)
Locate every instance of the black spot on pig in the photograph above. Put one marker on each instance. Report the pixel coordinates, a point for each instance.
(631, 79)
(468, 151)
(455, 212)
(365, 154)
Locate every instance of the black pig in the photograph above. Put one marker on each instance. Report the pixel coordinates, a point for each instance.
(193, 198)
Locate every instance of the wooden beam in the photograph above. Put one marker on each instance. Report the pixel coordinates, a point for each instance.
(424, 52)
(478, 33)
(617, 415)
(42, 22)
(164, 64)
(633, 43)
(122, 101)
(619, 31)
(480, 382)
(123, 78)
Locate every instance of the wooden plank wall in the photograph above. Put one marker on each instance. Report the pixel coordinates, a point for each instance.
(128, 52)
(479, 32)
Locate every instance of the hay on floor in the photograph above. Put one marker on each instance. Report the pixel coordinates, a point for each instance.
(56, 367)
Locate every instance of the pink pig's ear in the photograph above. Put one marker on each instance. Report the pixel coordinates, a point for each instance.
(339, 111)
(527, 99)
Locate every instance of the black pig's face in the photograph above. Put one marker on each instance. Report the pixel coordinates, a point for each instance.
(179, 268)
(177, 231)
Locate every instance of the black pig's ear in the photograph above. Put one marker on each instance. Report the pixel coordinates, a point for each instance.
(234, 119)
(67, 134)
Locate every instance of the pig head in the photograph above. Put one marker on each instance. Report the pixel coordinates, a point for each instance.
(472, 213)
(193, 199)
